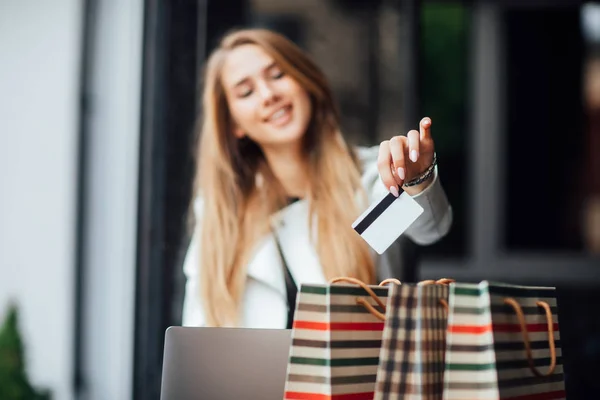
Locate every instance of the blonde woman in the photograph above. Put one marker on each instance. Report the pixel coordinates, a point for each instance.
(278, 187)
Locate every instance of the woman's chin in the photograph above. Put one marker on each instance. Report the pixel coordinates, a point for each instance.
(288, 136)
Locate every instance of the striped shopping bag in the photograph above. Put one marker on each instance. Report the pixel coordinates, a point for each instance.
(411, 362)
(503, 342)
(335, 341)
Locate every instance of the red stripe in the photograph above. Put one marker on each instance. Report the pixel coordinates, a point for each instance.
(472, 329)
(357, 326)
(559, 394)
(513, 328)
(339, 326)
(315, 396)
(315, 326)
(305, 396)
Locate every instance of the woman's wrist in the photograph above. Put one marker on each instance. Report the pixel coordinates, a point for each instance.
(416, 189)
(421, 182)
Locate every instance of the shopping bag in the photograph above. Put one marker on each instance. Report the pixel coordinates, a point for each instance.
(336, 339)
(411, 362)
(503, 342)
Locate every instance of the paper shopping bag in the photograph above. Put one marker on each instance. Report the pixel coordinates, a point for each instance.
(503, 342)
(336, 339)
(411, 362)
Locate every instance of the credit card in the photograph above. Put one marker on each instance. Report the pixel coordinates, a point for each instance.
(386, 219)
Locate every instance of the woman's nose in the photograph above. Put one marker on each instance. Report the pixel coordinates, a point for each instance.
(266, 92)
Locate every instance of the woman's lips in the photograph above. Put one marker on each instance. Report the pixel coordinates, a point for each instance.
(281, 116)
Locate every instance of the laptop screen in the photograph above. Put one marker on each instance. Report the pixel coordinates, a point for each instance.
(224, 363)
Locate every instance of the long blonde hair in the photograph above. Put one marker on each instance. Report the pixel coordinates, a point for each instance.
(237, 206)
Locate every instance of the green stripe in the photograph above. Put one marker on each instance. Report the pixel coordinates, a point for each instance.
(353, 380)
(351, 309)
(335, 308)
(356, 290)
(522, 292)
(313, 289)
(340, 380)
(498, 289)
(470, 367)
(337, 344)
(342, 290)
(336, 362)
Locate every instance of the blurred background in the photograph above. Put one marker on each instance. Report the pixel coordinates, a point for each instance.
(98, 101)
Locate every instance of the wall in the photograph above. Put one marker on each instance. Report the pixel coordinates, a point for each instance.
(39, 83)
(110, 231)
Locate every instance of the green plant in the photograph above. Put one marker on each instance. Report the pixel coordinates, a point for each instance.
(13, 378)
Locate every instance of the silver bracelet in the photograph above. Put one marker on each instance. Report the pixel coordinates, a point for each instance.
(424, 176)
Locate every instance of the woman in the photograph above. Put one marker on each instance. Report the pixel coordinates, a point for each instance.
(278, 187)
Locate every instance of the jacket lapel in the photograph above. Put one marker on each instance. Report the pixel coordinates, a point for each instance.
(266, 266)
(291, 227)
(296, 245)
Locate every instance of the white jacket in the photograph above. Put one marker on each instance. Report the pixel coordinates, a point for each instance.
(264, 304)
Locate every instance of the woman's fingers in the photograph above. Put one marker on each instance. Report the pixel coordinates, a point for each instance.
(425, 128)
(413, 145)
(400, 157)
(397, 149)
(384, 162)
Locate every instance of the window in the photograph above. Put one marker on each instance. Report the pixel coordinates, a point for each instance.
(551, 187)
(444, 97)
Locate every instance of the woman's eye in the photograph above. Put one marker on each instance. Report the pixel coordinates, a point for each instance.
(277, 74)
(245, 93)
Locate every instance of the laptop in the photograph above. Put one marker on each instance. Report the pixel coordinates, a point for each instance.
(224, 363)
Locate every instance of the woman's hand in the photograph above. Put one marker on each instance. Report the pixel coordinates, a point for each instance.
(403, 158)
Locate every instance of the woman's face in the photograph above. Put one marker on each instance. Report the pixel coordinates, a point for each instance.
(267, 105)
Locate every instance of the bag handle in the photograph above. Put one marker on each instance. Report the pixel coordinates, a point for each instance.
(390, 280)
(519, 311)
(443, 281)
(363, 302)
(370, 308)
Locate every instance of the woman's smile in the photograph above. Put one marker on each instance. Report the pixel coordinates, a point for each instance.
(281, 116)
